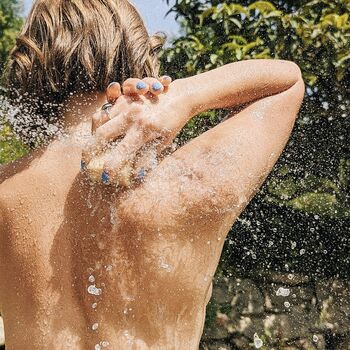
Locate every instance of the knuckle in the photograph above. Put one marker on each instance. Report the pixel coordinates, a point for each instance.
(136, 108)
(100, 134)
(127, 81)
(96, 116)
(130, 118)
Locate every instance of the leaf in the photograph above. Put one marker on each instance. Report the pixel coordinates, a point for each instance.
(213, 58)
(344, 172)
(236, 22)
(238, 9)
(283, 188)
(316, 203)
(239, 39)
(274, 14)
(205, 14)
(340, 22)
(341, 59)
(310, 78)
(264, 7)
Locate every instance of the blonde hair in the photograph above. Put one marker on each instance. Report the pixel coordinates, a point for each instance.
(70, 46)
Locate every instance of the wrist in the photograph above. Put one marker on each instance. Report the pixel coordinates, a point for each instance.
(185, 98)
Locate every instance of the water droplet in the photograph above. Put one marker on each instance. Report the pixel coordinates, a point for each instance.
(94, 326)
(258, 343)
(98, 347)
(315, 338)
(302, 251)
(105, 343)
(286, 304)
(92, 279)
(283, 292)
(94, 305)
(94, 290)
(165, 266)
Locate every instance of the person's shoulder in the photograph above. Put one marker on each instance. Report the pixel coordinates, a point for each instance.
(4, 168)
(10, 174)
(7, 171)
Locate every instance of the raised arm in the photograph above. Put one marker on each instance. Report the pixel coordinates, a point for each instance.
(239, 83)
(208, 182)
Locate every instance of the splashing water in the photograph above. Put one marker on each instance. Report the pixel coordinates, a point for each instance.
(258, 343)
(287, 304)
(129, 337)
(283, 292)
(92, 279)
(28, 126)
(93, 290)
(164, 265)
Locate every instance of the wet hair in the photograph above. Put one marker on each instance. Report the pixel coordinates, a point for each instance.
(71, 46)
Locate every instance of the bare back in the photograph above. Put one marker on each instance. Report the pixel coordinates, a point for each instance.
(81, 271)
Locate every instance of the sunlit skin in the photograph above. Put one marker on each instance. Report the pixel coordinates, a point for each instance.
(151, 250)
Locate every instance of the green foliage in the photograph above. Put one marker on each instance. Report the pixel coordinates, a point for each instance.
(10, 147)
(10, 23)
(314, 34)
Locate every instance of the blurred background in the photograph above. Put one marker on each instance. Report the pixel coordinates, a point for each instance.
(283, 281)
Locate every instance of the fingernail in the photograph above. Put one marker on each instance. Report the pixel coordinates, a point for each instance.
(111, 84)
(105, 177)
(157, 86)
(166, 77)
(142, 174)
(82, 165)
(141, 85)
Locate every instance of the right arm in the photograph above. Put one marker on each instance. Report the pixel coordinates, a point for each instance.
(238, 83)
(213, 177)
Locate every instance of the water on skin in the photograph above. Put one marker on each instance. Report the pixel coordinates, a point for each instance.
(93, 290)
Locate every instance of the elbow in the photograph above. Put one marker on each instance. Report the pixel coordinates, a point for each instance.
(288, 72)
(294, 72)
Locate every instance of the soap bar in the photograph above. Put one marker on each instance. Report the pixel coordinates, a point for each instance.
(123, 178)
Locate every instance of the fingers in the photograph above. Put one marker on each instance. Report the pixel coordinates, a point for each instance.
(118, 167)
(155, 87)
(103, 133)
(100, 118)
(165, 80)
(113, 92)
(113, 129)
(133, 86)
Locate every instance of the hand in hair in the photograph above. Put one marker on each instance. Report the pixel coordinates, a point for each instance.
(138, 129)
(131, 87)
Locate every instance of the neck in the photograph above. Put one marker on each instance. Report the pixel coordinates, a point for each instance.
(78, 112)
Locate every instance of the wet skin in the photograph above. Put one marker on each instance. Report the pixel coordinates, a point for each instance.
(138, 262)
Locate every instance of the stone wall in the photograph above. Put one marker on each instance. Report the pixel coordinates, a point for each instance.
(278, 311)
